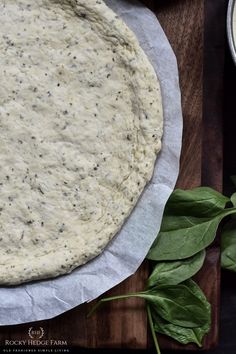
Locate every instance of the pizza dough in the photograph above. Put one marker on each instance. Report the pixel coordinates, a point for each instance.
(81, 126)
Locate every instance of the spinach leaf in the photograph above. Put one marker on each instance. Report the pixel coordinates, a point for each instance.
(189, 224)
(228, 246)
(202, 201)
(180, 333)
(175, 272)
(182, 237)
(177, 304)
(197, 291)
(233, 199)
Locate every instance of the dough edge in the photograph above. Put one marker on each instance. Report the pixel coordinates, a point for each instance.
(48, 265)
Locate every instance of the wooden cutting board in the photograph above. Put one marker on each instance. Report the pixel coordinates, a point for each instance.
(195, 29)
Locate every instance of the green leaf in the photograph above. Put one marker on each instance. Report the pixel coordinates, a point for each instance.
(233, 199)
(175, 272)
(182, 334)
(202, 201)
(228, 246)
(207, 306)
(182, 237)
(189, 224)
(177, 304)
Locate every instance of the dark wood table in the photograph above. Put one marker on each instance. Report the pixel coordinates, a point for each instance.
(196, 31)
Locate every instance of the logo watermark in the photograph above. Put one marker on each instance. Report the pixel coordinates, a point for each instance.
(36, 333)
(36, 338)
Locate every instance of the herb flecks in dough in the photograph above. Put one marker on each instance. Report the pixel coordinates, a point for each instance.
(81, 126)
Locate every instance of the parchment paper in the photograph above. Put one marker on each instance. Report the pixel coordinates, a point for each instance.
(49, 298)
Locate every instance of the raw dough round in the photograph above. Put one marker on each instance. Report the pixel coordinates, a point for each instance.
(81, 126)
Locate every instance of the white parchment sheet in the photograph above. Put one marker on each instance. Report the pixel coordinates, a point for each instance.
(46, 299)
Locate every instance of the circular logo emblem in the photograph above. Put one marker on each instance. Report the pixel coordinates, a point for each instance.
(36, 333)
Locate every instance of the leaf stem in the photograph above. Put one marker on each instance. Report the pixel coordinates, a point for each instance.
(106, 299)
(152, 329)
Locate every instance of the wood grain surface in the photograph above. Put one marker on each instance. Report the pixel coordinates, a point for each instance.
(123, 324)
(183, 23)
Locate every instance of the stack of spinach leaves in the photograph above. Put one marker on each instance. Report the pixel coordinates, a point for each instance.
(176, 306)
